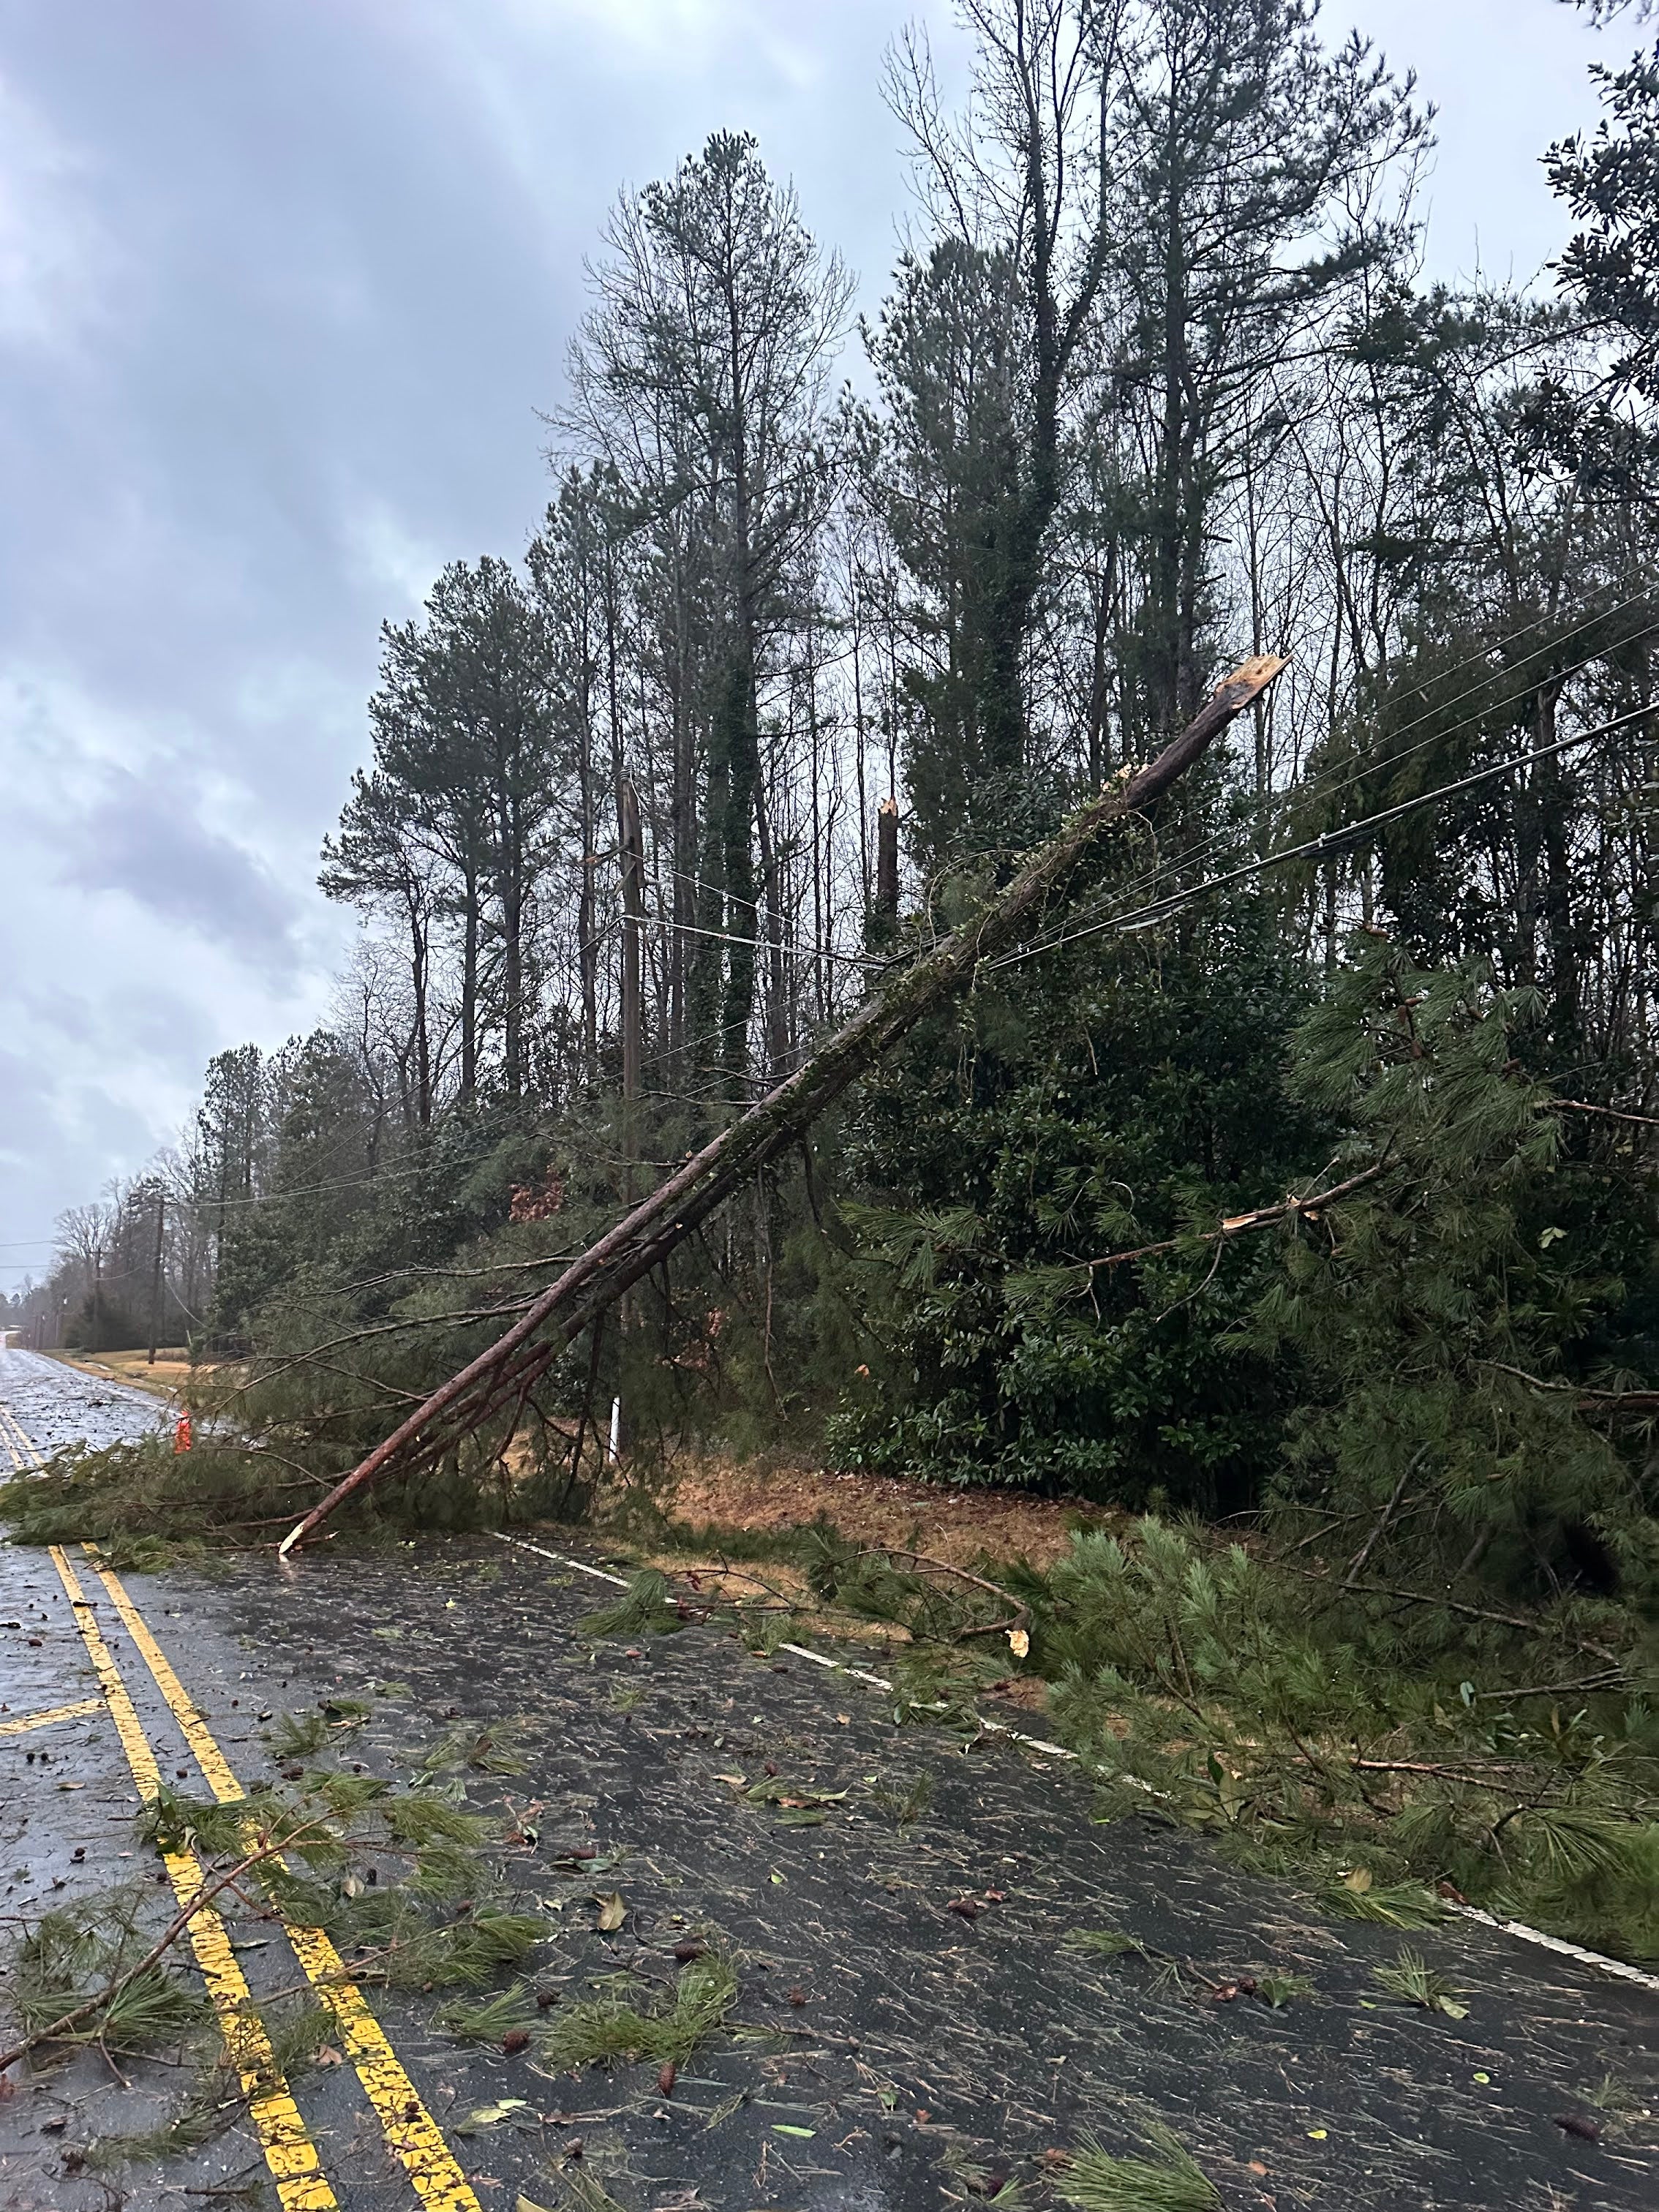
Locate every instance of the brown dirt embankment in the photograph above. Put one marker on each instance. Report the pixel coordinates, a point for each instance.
(959, 1526)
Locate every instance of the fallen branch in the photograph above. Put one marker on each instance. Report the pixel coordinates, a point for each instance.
(1610, 1678)
(1387, 1514)
(1021, 1616)
(104, 1998)
(1477, 1776)
(646, 1235)
(1263, 1217)
(1607, 1113)
(1451, 1605)
(1586, 1402)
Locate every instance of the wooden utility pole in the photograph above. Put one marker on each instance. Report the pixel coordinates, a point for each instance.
(504, 1375)
(156, 1272)
(633, 1003)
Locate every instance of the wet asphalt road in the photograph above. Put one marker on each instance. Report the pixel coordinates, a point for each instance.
(894, 2053)
(55, 1404)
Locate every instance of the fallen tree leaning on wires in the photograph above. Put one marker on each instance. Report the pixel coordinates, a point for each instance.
(504, 1375)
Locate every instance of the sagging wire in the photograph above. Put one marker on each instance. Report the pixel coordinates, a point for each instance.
(1327, 842)
(1215, 838)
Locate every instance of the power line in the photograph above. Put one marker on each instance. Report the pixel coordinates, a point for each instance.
(763, 943)
(1303, 791)
(1328, 840)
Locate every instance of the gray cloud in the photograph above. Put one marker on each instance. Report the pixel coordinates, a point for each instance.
(283, 284)
(136, 839)
(60, 1140)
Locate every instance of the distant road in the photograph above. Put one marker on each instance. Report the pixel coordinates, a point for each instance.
(53, 1405)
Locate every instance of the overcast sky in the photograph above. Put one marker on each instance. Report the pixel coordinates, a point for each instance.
(283, 284)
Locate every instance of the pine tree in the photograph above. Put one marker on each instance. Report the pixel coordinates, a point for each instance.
(1443, 1314)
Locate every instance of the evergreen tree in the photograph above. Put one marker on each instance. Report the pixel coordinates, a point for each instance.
(943, 469)
(1106, 1101)
(1610, 181)
(699, 373)
(377, 864)
(1445, 1315)
(1259, 170)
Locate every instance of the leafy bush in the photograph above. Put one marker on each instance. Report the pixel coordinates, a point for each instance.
(1110, 1100)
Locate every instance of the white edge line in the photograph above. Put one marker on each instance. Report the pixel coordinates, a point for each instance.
(1518, 1928)
(818, 1658)
(599, 1574)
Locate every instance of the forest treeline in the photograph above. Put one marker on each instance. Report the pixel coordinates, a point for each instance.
(1158, 381)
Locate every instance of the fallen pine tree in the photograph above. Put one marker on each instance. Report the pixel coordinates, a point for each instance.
(502, 1377)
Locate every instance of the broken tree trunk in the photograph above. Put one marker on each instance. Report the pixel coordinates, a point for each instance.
(887, 857)
(506, 1372)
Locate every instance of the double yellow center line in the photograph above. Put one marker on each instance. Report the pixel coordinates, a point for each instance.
(284, 2136)
(411, 2135)
(24, 1456)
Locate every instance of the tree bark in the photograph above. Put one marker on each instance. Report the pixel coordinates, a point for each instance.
(887, 860)
(470, 984)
